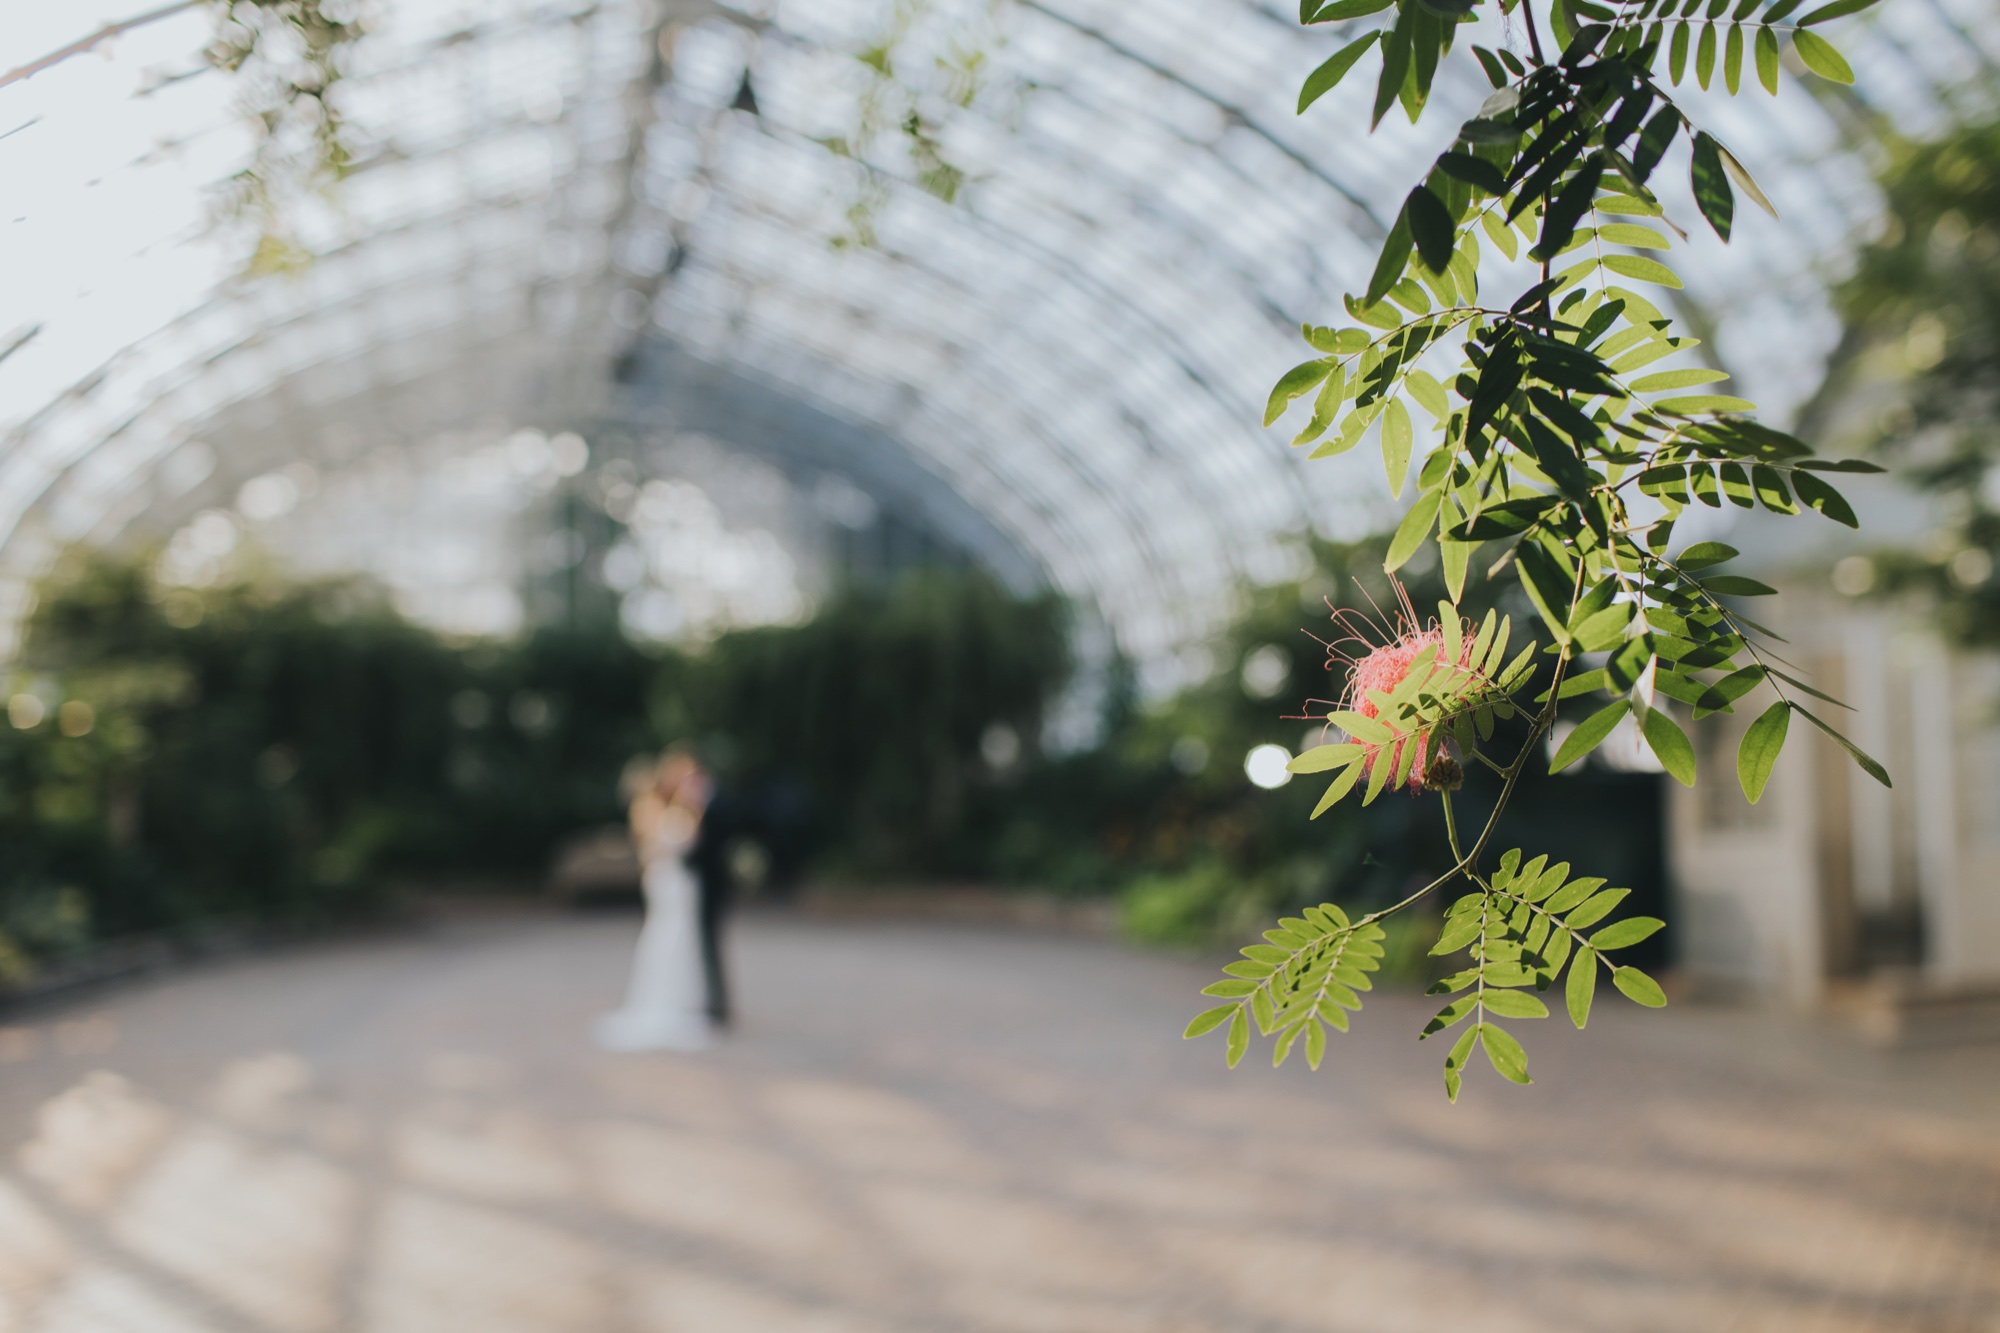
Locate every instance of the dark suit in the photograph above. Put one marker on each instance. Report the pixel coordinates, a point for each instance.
(721, 823)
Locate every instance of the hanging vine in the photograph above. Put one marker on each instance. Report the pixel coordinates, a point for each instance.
(286, 58)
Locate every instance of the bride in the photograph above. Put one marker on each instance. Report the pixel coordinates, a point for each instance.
(665, 1005)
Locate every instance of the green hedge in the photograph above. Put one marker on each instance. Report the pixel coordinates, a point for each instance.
(287, 751)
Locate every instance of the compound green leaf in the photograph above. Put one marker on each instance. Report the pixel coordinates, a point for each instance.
(1638, 987)
(1458, 932)
(1678, 379)
(1818, 495)
(1758, 753)
(1431, 228)
(1328, 76)
(1395, 64)
(1547, 882)
(1868, 764)
(1334, 342)
(1771, 489)
(1627, 233)
(1456, 555)
(1365, 729)
(1767, 59)
(1342, 10)
(1429, 394)
(1600, 906)
(1703, 554)
(1796, 683)
(1504, 1053)
(1396, 440)
(1339, 787)
(1323, 757)
(1670, 745)
(1642, 269)
(1736, 485)
(1484, 639)
(1624, 934)
(1604, 630)
(1451, 1014)
(1736, 585)
(1515, 1004)
(1210, 1019)
(1718, 697)
(1701, 404)
(1349, 436)
(1284, 1044)
(1389, 267)
(1573, 893)
(1838, 9)
(1415, 527)
(1745, 181)
(1326, 406)
(1294, 382)
(1553, 955)
(1589, 734)
(1454, 1063)
(1374, 312)
(1581, 986)
(1379, 774)
(1820, 57)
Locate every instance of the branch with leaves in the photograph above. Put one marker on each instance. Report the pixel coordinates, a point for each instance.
(286, 56)
(1550, 446)
(909, 105)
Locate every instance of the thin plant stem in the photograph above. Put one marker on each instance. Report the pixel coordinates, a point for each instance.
(97, 39)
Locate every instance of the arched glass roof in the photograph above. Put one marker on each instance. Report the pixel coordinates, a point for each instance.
(617, 220)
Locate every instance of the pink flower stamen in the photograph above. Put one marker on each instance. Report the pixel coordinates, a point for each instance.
(1384, 666)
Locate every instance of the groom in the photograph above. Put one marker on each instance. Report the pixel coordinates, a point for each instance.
(721, 823)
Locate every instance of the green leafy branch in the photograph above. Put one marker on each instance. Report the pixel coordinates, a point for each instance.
(1453, 690)
(1550, 444)
(292, 53)
(1519, 931)
(287, 56)
(912, 109)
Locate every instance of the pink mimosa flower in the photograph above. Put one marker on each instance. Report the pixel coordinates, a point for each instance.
(1384, 666)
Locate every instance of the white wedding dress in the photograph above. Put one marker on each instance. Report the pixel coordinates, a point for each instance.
(666, 1002)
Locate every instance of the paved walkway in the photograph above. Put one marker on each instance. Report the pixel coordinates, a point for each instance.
(931, 1129)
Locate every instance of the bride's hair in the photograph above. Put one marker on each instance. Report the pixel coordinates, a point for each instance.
(679, 778)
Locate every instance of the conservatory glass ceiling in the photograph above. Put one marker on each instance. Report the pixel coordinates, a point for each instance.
(621, 222)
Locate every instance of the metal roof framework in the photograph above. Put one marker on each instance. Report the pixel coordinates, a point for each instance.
(618, 218)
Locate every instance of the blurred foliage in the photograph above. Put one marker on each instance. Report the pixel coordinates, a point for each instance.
(1923, 319)
(1547, 449)
(879, 706)
(292, 752)
(1164, 808)
(280, 751)
(287, 58)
